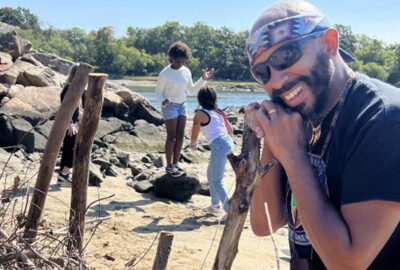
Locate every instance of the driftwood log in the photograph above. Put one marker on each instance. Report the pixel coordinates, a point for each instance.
(52, 148)
(83, 147)
(163, 251)
(248, 170)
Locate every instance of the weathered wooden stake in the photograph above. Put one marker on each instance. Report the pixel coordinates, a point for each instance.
(163, 250)
(52, 148)
(83, 147)
(248, 170)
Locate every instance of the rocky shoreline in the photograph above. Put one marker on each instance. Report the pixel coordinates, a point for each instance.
(131, 135)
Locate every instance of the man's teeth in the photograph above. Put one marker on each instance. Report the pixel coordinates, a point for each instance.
(289, 95)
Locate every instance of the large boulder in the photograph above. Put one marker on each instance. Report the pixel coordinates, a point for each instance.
(113, 105)
(140, 108)
(5, 61)
(143, 137)
(33, 104)
(17, 132)
(10, 75)
(52, 61)
(109, 126)
(176, 188)
(13, 163)
(41, 76)
(11, 42)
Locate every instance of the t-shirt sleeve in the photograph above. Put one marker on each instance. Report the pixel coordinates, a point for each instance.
(372, 169)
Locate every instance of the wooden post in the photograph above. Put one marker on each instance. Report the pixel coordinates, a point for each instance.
(52, 148)
(248, 170)
(163, 250)
(83, 147)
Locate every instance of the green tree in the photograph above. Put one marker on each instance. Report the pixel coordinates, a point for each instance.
(21, 17)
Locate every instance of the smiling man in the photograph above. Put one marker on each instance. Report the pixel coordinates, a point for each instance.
(336, 137)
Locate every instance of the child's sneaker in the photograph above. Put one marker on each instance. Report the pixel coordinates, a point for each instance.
(224, 218)
(63, 180)
(179, 168)
(173, 171)
(213, 209)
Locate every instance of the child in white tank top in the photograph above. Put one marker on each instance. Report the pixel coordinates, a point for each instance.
(217, 130)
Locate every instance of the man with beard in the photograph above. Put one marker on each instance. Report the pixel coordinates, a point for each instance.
(336, 137)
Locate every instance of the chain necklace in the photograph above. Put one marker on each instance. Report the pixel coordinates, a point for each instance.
(316, 125)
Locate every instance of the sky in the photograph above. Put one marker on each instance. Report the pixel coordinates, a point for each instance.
(376, 18)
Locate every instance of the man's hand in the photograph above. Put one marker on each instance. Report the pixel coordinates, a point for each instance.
(283, 130)
(165, 102)
(251, 119)
(208, 74)
(72, 129)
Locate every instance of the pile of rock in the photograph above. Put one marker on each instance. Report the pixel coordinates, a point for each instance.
(130, 136)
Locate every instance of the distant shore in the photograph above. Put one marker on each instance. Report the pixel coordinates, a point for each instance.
(218, 85)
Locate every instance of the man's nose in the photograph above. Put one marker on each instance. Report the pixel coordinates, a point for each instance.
(276, 81)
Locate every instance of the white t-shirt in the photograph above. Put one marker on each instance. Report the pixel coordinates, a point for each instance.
(174, 84)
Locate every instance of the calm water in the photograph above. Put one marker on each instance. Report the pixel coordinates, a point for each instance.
(225, 98)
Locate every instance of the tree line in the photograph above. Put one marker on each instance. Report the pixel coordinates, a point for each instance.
(142, 51)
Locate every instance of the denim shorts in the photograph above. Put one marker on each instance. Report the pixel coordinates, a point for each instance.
(173, 110)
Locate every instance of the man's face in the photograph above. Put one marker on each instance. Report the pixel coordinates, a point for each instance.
(303, 87)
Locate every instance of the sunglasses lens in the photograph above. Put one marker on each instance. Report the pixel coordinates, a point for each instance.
(261, 73)
(285, 56)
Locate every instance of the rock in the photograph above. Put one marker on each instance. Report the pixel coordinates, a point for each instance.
(135, 169)
(233, 119)
(109, 138)
(52, 61)
(33, 104)
(13, 164)
(146, 159)
(5, 61)
(45, 128)
(23, 134)
(6, 135)
(123, 159)
(151, 139)
(114, 106)
(11, 42)
(9, 76)
(237, 131)
(180, 188)
(143, 187)
(40, 142)
(104, 164)
(95, 175)
(141, 176)
(114, 160)
(109, 126)
(40, 76)
(204, 189)
(140, 108)
(158, 162)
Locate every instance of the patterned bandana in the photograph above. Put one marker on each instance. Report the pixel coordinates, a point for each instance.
(282, 30)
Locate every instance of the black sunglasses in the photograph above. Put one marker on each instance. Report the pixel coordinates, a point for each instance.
(282, 58)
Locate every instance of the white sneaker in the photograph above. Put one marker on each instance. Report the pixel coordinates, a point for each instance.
(224, 218)
(286, 251)
(213, 209)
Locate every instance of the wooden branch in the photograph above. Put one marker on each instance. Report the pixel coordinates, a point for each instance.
(83, 147)
(163, 251)
(248, 171)
(64, 230)
(20, 252)
(52, 148)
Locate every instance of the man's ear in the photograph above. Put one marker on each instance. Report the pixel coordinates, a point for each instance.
(331, 40)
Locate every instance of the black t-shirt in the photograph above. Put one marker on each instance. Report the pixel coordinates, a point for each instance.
(362, 163)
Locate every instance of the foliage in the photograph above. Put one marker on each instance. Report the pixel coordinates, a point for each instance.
(143, 51)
